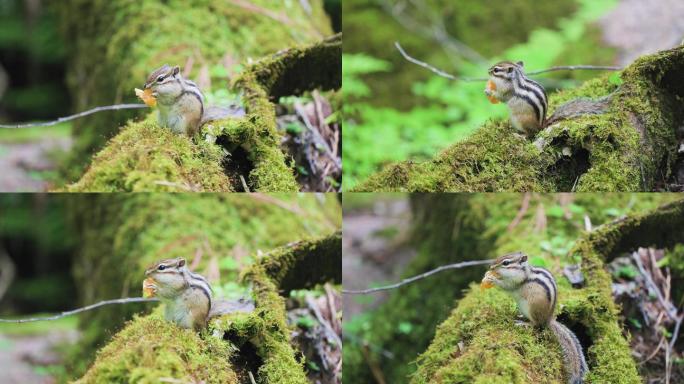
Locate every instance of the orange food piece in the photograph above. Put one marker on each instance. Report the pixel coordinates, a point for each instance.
(492, 87)
(146, 97)
(149, 287)
(488, 280)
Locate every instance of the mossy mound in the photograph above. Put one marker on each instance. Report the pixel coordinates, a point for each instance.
(631, 147)
(479, 342)
(134, 231)
(266, 328)
(145, 157)
(115, 44)
(150, 348)
(449, 228)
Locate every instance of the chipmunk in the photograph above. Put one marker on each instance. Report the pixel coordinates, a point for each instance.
(187, 295)
(527, 100)
(180, 101)
(535, 292)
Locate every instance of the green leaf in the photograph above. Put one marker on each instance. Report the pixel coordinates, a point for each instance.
(306, 322)
(615, 79)
(405, 327)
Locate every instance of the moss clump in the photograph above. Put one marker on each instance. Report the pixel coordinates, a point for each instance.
(135, 230)
(145, 157)
(628, 148)
(149, 349)
(115, 44)
(286, 73)
(300, 265)
(455, 227)
(478, 343)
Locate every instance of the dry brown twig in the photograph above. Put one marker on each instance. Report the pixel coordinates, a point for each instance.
(126, 300)
(449, 76)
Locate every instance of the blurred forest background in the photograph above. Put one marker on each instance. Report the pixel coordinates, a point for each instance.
(396, 110)
(59, 252)
(388, 237)
(41, 77)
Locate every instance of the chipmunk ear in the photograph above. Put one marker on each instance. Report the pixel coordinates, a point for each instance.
(523, 259)
(176, 70)
(520, 64)
(181, 261)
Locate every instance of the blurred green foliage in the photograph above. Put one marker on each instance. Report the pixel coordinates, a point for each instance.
(33, 58)
(377, 130)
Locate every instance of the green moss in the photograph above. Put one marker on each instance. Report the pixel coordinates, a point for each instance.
(478, 342)
(628, 148)
(145, 157)
(287, 73)
(122, 234)
(300, 265)
(150, 348)
(114, 45)
(449, 228)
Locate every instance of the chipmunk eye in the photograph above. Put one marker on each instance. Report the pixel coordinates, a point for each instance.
(160, 79)
(161, 267)
(506, 263)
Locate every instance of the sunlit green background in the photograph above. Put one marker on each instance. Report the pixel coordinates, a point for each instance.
(395, 110)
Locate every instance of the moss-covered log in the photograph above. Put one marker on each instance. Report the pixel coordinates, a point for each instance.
(123, 234)
(236, 343)
(479, 344)
(114, 45)
(631, 147)
(452, 227)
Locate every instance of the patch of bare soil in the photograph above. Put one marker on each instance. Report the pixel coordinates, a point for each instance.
(22, 357)
(375, 251)
(21, 164)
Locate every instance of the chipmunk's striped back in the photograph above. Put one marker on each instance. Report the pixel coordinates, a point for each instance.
(536, 293)
(525, 97)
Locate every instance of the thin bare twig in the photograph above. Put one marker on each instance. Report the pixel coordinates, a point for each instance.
(82, 309)
(115, 107)
(436, 30)
(669, 309)
(251, 377)
(418, 277)
(532, 73)
(317, 136)
(244, 184)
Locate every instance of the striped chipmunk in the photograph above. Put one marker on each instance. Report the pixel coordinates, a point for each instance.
(181, 103)
(187, 296)
(527, 100)
(534, 289)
